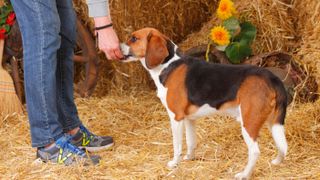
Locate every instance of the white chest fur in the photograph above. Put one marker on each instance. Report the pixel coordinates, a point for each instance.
(155, 74)
(206, 110)
(161, 90)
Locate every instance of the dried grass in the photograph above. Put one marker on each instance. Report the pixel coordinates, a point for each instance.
(175, 18)
(307, 23)
(141, 129)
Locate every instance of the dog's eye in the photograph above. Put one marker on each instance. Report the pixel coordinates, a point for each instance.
(133, 39)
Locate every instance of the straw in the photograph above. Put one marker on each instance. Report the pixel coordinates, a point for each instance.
(143, 144)
(10, 102)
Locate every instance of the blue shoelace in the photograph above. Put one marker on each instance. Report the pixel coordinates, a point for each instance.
(64, 143)
(85, 130)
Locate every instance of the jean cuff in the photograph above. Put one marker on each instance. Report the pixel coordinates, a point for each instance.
(47, 142)
(73, 126)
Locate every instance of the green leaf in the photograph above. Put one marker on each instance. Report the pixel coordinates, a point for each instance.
(237, 51)
(2, 21)
(7, 27)
(4, 15)
(232, 25)
(248, 32)
(5, 10)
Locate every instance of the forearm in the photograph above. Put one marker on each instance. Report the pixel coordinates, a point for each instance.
(108, 40)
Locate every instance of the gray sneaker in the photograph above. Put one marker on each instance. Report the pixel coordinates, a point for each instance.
(92, 143)
(63, 152)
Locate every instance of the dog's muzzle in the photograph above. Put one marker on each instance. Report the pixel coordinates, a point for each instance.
(125, 49)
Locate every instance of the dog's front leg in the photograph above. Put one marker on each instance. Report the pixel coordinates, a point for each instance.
(177, 133)
(190, 138)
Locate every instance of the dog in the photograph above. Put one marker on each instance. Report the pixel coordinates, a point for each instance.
(190, 88)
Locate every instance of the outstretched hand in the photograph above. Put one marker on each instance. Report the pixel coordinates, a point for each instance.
(108, 40)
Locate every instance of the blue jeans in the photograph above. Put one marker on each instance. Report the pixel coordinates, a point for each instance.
(48, 30)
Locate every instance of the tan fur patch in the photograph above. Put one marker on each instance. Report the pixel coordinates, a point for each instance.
(256, 99)
(177, 97)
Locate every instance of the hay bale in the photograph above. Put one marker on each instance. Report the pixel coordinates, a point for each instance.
(175, 18)
(307, 22)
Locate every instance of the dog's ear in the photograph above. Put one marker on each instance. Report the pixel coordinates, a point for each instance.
(156, 51)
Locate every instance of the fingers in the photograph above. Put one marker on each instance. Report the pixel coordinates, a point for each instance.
(113, 53)
(109, 44)
(118, 53)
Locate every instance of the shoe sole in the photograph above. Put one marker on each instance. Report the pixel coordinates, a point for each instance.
(96, 149)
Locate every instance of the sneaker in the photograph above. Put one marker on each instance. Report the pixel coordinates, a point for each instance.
(92, 143)
(63, 152)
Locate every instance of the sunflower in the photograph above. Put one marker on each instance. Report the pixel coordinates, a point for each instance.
(220, 36)
(226, 9)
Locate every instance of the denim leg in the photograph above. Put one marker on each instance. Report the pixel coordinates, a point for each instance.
(67, 110)
(40, 26)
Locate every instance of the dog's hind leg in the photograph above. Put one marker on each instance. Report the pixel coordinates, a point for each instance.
(279, 137)
(253, 152)
(191, 139)
(276, 127)
(177, 133)
(249, 133)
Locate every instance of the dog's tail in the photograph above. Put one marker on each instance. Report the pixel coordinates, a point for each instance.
(281, 100)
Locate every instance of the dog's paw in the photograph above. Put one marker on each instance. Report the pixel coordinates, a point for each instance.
(276, 161)
(189, 157)
(172, 164)
(241, 176)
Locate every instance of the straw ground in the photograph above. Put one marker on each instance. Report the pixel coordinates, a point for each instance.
(141, 129)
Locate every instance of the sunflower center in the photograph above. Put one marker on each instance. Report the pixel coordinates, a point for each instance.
(220, 35)
(224, 7)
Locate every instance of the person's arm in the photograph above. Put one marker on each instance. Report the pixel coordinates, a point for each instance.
(108, 40)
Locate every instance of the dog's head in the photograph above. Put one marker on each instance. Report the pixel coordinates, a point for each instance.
(148, 44)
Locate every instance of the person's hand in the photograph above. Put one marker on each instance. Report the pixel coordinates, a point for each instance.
(108, 40)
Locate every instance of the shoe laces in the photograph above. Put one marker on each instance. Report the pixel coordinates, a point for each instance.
(64, 143)
(86, 131)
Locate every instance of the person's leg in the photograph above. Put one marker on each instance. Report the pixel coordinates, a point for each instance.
(40, 26)
(67, 110)
(68, 114)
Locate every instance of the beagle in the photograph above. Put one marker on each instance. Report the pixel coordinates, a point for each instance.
(190, 88)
